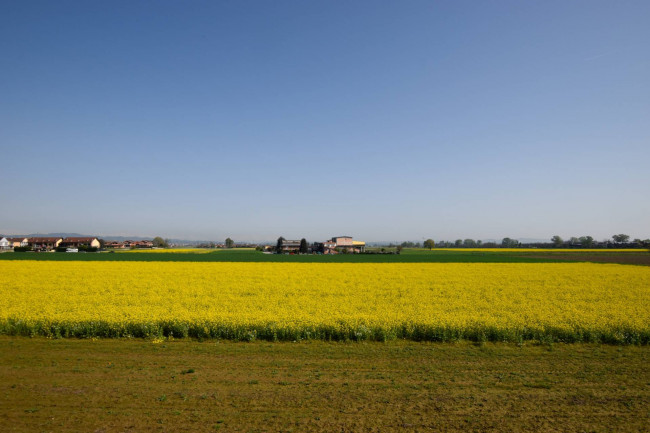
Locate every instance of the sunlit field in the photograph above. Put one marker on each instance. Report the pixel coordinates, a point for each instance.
(544, 250)
(96, 385)
(164, 250)
(570, 302)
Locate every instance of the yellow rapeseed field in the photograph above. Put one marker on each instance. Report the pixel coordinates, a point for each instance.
(292, 301)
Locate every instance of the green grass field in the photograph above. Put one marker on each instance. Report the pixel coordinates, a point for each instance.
(121, 385)
(407, 256)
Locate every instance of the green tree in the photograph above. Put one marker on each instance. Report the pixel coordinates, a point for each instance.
(159, 242)
(278, 246)
(621, 239)
(429, 244)
(587, 241)
(303, 246)
(469, 243)
(509, 243)
(230, 243)
(557, 241)
(458, 242)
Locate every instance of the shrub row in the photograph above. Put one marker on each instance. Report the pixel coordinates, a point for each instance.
(340, 332)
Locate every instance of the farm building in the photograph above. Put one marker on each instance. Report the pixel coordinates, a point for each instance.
(347, 244)
(44, 243)
(77, 242)
(328, 247)
(340, 244)
(290, 246)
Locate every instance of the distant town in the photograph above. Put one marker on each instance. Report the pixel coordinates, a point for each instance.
(334, 245)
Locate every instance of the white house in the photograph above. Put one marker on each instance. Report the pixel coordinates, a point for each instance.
(5, 244)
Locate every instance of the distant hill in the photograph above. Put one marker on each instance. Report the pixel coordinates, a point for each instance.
(47, 235)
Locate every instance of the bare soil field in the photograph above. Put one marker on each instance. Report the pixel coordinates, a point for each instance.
(139, 385)
(642, 259)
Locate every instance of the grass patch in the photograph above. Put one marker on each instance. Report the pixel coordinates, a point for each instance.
(408, 255)
(319, 386)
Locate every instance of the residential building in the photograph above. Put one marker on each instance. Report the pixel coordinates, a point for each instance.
(144, 244)
(76, 242)
(5, 244)
(44, 243)
(114, 244)
(18, 242)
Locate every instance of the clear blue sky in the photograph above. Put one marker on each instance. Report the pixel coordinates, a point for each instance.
(380, 120)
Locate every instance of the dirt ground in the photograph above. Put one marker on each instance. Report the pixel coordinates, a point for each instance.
(123, 386)
(604, 257)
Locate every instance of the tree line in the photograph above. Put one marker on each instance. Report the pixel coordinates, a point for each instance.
(616, 241)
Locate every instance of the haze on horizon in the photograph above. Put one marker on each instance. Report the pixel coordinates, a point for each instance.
(384, 121)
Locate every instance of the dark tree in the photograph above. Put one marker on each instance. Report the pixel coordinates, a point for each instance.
(586, 241)
(278, 246)
(509, 243)
(230, 243)
(557, 241)
(429, 244)
(160, 242)
(621, 239)
(303, 246)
